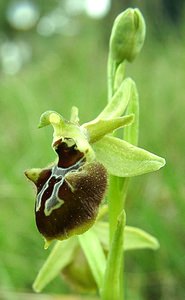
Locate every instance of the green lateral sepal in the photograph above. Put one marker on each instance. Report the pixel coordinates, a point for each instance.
(125, 160)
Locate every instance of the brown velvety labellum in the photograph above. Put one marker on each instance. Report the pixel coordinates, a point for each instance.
(69, 194)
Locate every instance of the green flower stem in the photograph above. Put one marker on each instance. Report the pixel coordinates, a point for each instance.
(111, 70)
(114, 290)
(115, 203)
(117, 195)
(118, 187)
(116, 199)
(131, 133)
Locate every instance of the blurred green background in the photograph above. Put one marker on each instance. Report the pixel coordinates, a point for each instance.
(53, 55)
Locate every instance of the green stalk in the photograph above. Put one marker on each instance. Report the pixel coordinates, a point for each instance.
(123, 29)
(116, 198)
(115, 203)
(111, 70)
(112, 288)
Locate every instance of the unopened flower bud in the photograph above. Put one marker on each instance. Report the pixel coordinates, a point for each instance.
(127, 36)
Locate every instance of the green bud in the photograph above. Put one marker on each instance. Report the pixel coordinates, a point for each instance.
(127, 36)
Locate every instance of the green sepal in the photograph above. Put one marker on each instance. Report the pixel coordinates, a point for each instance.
(134, 238)
(56, 120)
(111, 283)
(50, 117)
(117, 105)
(99, 127)
(125, 160)
(60, 256)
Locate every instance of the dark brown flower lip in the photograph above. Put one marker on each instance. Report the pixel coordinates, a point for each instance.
(69, 193)
(81, 193)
